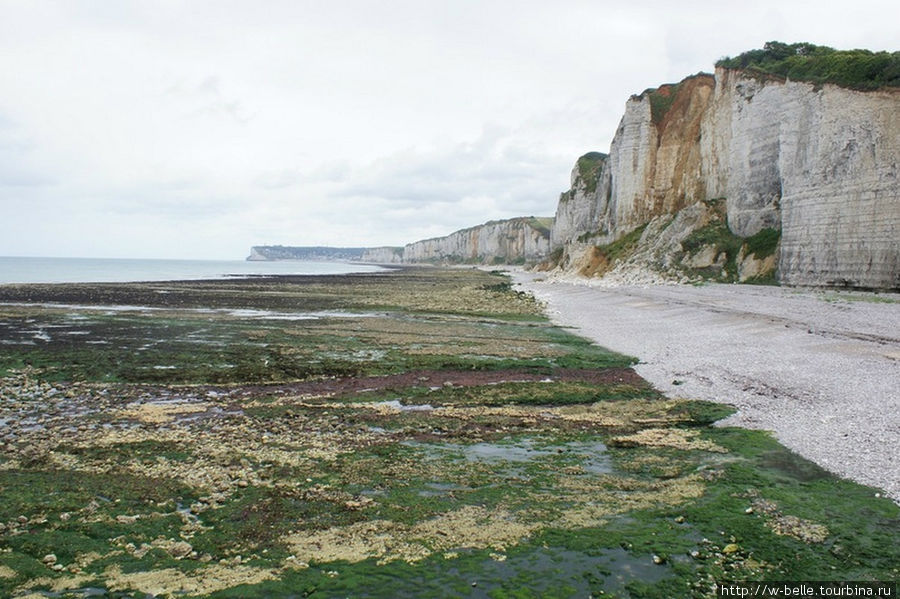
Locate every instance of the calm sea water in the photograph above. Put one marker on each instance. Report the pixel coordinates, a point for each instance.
(96, 270)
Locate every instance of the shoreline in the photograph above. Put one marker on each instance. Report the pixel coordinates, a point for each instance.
(818, 369)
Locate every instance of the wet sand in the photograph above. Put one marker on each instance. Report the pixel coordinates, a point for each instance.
(819, 369)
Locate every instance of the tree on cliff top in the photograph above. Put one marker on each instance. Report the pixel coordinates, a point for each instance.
(856, 69)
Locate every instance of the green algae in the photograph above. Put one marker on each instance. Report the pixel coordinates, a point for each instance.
(537, 483)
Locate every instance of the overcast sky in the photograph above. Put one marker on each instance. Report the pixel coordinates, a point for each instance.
(199, 128)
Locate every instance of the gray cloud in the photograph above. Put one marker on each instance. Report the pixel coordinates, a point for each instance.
(19, 167)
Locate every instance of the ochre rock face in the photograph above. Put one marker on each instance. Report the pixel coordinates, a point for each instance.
(819, 163)
(655, 163)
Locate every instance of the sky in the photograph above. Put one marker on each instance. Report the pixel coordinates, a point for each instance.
(198, 128)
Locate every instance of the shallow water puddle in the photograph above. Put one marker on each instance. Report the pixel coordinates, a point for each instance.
(241, 313)
(591, 456)
(541, 570)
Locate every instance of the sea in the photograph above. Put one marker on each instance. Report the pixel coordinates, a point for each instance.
(123, 270)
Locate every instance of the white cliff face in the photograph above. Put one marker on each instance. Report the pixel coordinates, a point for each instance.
(820, 164)
(740, 148)
(583, 208)
(383, 255)
(514, 240)
(631, 158)
(256, 255)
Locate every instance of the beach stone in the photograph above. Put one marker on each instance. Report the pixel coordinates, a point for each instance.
(180, 550)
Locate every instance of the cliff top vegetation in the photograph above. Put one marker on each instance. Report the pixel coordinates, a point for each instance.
(542, 224)
(856, 69)
(589, 167)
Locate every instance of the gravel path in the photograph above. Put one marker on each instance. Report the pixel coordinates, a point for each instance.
(820, 369)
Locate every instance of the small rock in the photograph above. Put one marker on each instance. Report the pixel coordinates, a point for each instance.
(242, 483)
(49, 559)
(679, 519)
(180, 550)
(57, 567)
(749, 510)
(730, 548)
(22, 519)
(658, 560)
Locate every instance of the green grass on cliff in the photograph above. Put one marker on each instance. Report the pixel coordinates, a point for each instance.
(764, 243)
(542, 224)
(856, 69)
(589, 167)
(661, 100)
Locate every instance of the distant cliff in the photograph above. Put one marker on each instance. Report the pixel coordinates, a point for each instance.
(282, 252)
(742, 175)
(383, 255)
(513, 241)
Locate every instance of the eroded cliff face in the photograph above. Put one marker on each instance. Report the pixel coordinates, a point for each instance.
(655, 162)
(506, 241)
(817, 163)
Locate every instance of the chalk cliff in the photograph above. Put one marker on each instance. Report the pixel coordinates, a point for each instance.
(512, 241)
(821, 164)
(781, 178)
(260, 253)
(383, 255)
(583, 209)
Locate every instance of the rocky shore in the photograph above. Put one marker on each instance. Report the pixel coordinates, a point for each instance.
(419, 432)
(819, 368)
